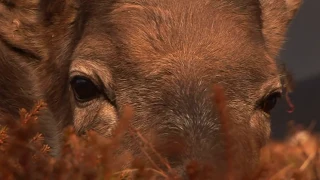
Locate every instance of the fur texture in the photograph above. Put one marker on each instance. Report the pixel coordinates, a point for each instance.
(20, 53)
(162, 58)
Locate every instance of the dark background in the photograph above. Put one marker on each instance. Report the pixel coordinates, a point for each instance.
(301, 54)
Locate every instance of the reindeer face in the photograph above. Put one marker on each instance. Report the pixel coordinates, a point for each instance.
(162, 58)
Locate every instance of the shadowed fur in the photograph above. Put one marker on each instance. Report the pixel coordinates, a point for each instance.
(21, 50)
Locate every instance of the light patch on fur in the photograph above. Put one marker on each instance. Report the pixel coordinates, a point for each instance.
(293, 5)
(110, 118)
(97, 114)
(92, 69)
(273, 84)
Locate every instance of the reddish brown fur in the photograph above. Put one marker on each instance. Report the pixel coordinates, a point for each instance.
(20, 53)
(18, 90)
(162, 58)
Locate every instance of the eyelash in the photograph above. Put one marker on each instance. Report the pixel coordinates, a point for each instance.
(105, 92)
(260, 104)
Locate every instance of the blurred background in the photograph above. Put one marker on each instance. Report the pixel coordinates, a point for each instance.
(301, 54)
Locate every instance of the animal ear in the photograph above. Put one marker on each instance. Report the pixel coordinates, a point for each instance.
(276, 16)
(25, 24)
(59, 11)
(20, 29)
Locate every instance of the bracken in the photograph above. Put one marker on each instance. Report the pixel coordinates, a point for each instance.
(25, 156)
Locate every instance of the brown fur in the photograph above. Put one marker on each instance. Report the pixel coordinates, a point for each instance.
(20, 53)
(162, 58)
(18, 90)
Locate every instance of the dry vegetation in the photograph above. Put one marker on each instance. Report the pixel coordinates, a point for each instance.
(23, 154)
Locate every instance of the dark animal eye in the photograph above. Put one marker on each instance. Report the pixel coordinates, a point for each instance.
(84, 89)
(270, 102)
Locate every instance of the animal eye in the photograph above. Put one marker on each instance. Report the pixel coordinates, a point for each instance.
(84, 89)
(270, 102)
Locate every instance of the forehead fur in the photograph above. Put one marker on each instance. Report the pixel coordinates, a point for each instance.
(179, 34)
(166, 27)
